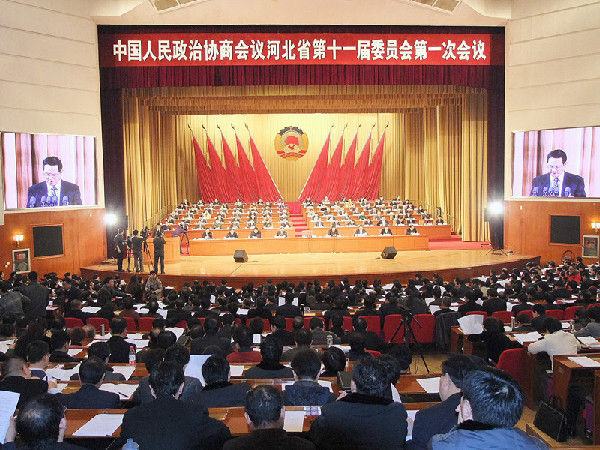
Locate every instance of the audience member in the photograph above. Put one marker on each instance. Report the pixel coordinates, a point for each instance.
(270, 365)
(306, 391)
(89, 396)
(16, 377)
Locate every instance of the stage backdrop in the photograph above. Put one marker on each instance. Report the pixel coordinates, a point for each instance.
(435, 143)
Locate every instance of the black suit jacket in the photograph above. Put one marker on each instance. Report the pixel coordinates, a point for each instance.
(39, 296)
(119, 349)
(574, 183)
(69, 190)
(173, 424)
(90, 397)
(438, 419)
(28, 388)
(270, 438)
(222, 395)
(289, 311)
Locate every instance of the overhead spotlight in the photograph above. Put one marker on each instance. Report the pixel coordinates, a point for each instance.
(110, 219)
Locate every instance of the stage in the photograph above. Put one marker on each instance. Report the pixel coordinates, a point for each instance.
(327, 266)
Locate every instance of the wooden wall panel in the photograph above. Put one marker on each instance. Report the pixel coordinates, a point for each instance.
(84, 239)
(527, 226)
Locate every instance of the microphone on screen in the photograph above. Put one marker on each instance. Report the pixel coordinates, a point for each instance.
(43, 201)
(567, 191)
(65, 201)
(31, 202)
(534, 193)
(545, 191)
(54, 200)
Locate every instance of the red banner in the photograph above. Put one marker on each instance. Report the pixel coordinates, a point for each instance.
(258, 49)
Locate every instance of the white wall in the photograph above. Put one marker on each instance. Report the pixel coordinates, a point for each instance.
(553, 66)
(49, 80)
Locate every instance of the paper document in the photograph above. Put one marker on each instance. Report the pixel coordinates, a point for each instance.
(584, 361)
(588, 340)
(294, 421)
(126, 371)
(434, 308)
(256, 338)
(344, 348)
(527, 337)
(326, 384)
(5, 345)
(194, 367)
(236, 371)
(429, 300)
(178, 331)
(430, 385)
(100, 426)
(90, 309)
(61, 374)
(74, 351)
(8, 404)
(139, 343)
(472, 324)
(123, 390)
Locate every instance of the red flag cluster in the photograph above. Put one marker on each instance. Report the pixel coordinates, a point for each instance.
(338, 180)
(237, 180)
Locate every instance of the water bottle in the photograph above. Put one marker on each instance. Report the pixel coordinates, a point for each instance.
(512, 323)
(132, 357)
(131, 445)
(329, 340)
(102, 331)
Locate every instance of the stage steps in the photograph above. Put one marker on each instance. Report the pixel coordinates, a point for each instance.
(299, 223)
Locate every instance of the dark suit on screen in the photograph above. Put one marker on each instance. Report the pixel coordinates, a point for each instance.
(574, 183)
(69, 190)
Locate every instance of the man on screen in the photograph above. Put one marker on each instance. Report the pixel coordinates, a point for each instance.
(54, 191)
(557, 182)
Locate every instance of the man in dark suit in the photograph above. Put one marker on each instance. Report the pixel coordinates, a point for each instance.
(39, 296)
(16, 377)
(211, 328)
(167, 422)
(120, 249)
(174, 316)
(54, 191)
(265, 414)
(159, 253)
(278, 331)
(363, 418)
(219, 392)
(89, 395)
(441, 418)
(60, 342)
(119, 347)
(557, 182)
(288, 309)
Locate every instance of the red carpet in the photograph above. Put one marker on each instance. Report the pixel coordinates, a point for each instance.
(455, 243)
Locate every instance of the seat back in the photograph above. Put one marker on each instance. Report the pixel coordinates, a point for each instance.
(72, 322)
(289, 324)
(373, 324)
(529, 312)
(347, 326)
(424, 328)
(391, 324)
(267, 325)
(181, 324)
(375, 353)
(556, 313)
(570, 312)
(504, 316)
(145, 324)
(97, 322)
(131, 325)
(513, 362)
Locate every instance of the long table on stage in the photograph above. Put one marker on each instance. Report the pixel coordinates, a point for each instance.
(217, 247)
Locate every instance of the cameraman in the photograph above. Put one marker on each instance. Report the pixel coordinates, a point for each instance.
(159, 252)
(137, 247)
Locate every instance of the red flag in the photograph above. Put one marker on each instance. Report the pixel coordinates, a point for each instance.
(247, 175)
(266, 186)
(204, 181)
(217, 173)
(317, 174)
(358, 176)
(345, 177)
(232, 170)
(374, 172)
(329, 179)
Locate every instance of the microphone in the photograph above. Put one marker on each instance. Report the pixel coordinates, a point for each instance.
(545, 191)
(65, 201)
(31, 202)
(54, 200)
(567, 191)
(43, 201)
(534, 193)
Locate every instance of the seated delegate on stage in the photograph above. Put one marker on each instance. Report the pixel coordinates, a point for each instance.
(207, 234)
(557, 182)
(54, 191)
(360, 231)
(231, 234)
(411, 230)
(281, 233)
(386, 231)
(255, 234)
(333, 232)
